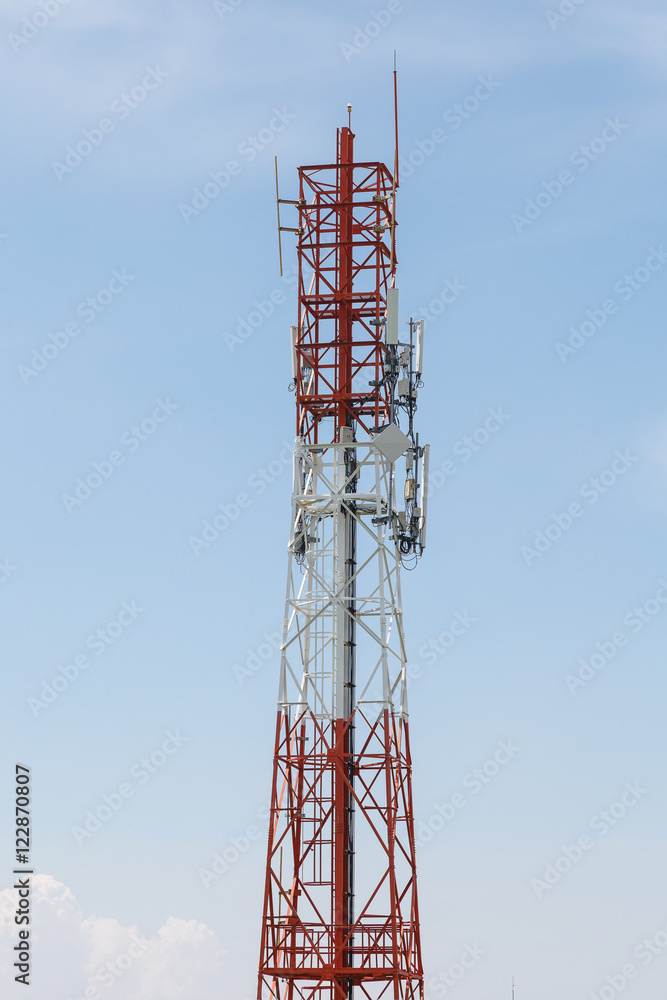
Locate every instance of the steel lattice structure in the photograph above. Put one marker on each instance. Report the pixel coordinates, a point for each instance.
(340, 909)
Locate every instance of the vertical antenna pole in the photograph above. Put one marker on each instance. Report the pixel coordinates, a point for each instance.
(343, 799)
(395, 121)
(395, 185)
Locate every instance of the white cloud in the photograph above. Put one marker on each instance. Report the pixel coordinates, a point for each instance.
(73, 952)
(655, 442)
(225, 75)
(636, 34)
(461, 42)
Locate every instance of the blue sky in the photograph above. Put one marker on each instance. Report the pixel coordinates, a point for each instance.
(582, 93)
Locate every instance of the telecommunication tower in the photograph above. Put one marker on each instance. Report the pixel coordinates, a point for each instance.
(341, 919)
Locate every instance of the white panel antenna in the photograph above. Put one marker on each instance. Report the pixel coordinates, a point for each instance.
(424, 488)
(419, 360)
(294, 332)
(392, 316)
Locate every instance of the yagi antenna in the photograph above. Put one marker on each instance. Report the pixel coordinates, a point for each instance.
(280, 242)
(284, 229)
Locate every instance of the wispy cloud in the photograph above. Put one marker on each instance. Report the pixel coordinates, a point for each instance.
(638, 33)
(73, 952)
(75, 61)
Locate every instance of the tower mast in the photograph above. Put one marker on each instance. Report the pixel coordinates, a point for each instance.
(340, 916)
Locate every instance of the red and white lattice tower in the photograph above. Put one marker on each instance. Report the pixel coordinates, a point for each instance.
(340, 908)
